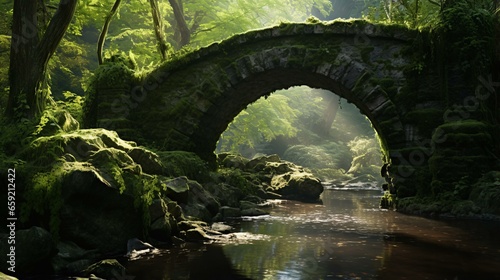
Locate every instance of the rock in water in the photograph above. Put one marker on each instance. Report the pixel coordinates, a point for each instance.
(136, 248)
(222, 228)
(297, 185)
(196, 235)
(136, 244)
(107, 269)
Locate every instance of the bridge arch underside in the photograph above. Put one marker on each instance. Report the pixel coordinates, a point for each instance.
(196, 102)
(375, 105)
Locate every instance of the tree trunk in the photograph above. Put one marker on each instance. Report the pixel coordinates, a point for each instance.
(29, 56)
(182, 27)
(104, 32)
(158, 26)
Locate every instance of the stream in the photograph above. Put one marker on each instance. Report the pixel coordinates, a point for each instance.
(346, 236)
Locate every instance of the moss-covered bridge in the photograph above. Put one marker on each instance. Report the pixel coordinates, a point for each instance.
(187, 104)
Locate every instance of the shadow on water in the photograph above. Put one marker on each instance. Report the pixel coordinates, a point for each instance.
(411, 257)
(345, 237)
(193, 261)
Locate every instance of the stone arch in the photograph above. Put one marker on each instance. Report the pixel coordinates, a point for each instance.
(188, 103)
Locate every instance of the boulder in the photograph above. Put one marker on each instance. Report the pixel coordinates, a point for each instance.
(34, 248)
(177, 189)
(107, 269)
(201, 204)
(163, 228)
(226, 194)
(230, 212)
(187, 225)
(258, 163)
(175, 210)
(95, 215)
(221, 227)
(158, 209)
(279, 167)
(234, 161)
(71, 258)
(135, 244)
(149, 161)
(297, 185)
(196, 235)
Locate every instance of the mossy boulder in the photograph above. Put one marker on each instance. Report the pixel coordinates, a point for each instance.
(297, 185)
(92, 212)
(149, 161)
(177, 189)
(226, 194)
(181, 163)
(260, 162)
(269, 174)
(232, 161)
(99, 179)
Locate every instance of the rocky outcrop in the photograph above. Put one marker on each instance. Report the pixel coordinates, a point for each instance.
(92, 211)
(103, 191)
(275, 176)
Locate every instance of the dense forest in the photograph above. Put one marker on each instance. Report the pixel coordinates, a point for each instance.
(55, 54)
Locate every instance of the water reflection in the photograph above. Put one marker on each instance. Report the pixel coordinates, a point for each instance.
(346, 237)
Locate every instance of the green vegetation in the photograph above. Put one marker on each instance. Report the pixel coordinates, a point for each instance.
(291, 124)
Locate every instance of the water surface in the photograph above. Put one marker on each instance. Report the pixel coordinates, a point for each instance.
(345, 237)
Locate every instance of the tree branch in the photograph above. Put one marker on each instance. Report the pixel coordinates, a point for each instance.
(158, 26)
(56, 30)
(104, 32)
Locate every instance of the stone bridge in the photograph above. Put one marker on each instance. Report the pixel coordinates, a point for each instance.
(187, 104)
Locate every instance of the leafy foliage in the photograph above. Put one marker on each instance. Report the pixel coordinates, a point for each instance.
(263, 121)
(412, 13)
(349, 148)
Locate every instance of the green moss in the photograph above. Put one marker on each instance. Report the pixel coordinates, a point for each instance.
(181, 163)
(388, 201)
(239, 179)
(43, 201)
